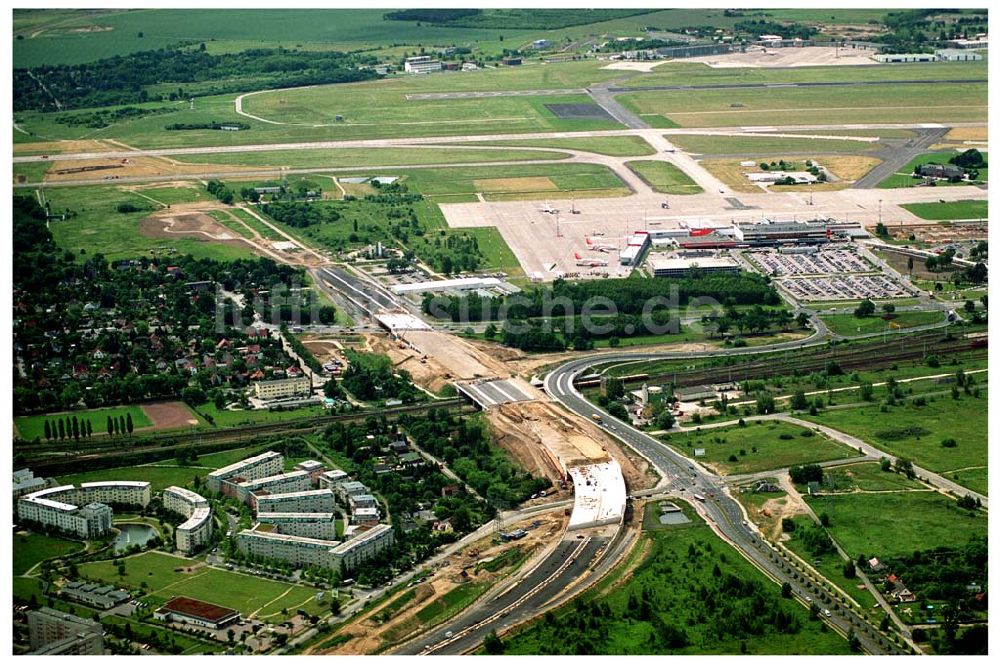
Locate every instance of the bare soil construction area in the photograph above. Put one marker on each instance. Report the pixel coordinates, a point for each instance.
(167, 415)
(456, 358)
(377, 630)
(199, 226)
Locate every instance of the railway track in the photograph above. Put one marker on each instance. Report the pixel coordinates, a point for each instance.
(49, 454)
(880, 355)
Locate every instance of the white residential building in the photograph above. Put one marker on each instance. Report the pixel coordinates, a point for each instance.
(47, 508)
(362, 547)
(369, 516)
(358, 501)
(257, 467)
(26, 482)
(196, 531)
(311, 525)
(314, 467)
(135, 493)
(299, 551)
(307, 501)
(288, 482)
(347, 489)
(277, 389)
(332, 477)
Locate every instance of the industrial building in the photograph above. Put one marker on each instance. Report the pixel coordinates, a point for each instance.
(635, 248)
(800, 177)
(421, 65)
(288, 482)
(311, 525)
(94, 594)
(457, 285)
(694, 50)
(307, 501)
(257, 467)
(197, 613)
(53, 632)
(978, 42)
(678, 267)
(957, 55)
(276, 389)
(196, 531)
(904, 57)
(89, 522)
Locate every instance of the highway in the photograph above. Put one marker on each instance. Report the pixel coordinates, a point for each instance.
(684, 478)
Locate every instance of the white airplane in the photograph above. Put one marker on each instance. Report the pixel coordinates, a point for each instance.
(547, 208)
(590, 263)
(600, 247)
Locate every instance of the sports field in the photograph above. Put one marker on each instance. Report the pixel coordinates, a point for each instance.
(951, 210)
(168, 576)
(32, 427)
(896, 523)
(757, 447)
(664, 177)
(916, 432)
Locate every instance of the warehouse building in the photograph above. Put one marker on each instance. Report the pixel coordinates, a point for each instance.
(311, 525)
(678, 267)
(306, 501)
(978, 42)
(196, 531)
(198, 613)
(53, 632)
(694, 50)
(276, 389)
(257, 467)
(421, 65)
(288, 482)
(957, 55)
(886, 58)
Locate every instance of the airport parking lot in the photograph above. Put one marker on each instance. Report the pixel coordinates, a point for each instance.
(844, 287)
(826, 261)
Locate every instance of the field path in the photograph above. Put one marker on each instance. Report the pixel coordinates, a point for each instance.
(283, 594)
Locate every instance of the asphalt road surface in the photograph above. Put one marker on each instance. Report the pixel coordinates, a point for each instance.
(685, 478)
(521, 601)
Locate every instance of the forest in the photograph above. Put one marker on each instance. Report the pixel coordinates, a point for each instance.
(125, 79)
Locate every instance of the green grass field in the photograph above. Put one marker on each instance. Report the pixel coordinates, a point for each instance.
(99, 228)
(706, 144)
(887, 524)
(681, 564)
(224, 418)
(451, 603)
(255, 224)
(30, 172)
(160, 475)
(32, 427)
(952, 210)
(974, 478)
(250, 595)
(802, 106)
(848, 324)
(30, 549)
(617, 146)
(772, 452)
(916, 433)
(868, 476)
(369, 157)
(904, 177)
(169, 196)
(664, 177)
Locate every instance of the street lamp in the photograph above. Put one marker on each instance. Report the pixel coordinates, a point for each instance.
(880, 211)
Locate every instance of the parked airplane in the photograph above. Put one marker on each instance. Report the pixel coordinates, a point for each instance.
(591, 263)
(599, 247)
(547, 208)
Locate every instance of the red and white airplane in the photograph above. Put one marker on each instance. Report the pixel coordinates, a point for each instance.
(590, 263)
(599, 247)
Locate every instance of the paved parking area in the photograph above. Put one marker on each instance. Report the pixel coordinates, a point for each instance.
(824, 261)
(845, 287)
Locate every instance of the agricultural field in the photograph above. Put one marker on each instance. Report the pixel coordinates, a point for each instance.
(848, 324)
(616, 146)
(952, 210)
(751, 144)
(167, 576)
(896, 523)
(916, 432)
(684, 566)
(962, 102)
(30, 549)
(33, 427)
(904, 177)
(664, 177)
(757, 447)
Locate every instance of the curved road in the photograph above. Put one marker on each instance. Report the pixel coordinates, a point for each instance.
(684, 477)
